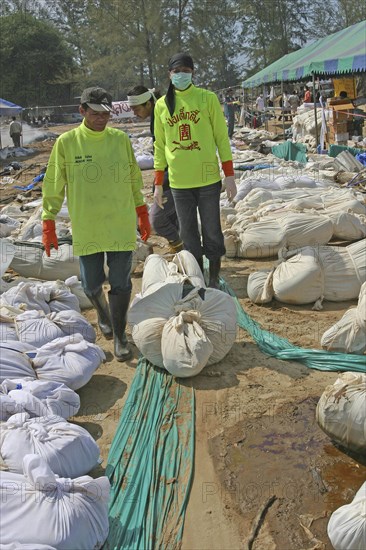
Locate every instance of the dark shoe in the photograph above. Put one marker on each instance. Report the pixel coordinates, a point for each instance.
(104, 319)
(175, 246)
(118, 304)
(214, 270)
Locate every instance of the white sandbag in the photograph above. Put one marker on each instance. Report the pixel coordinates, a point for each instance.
(261, 239)
(259, 287)
(341, 411)
(8, 332)
(158, 271)
(15, 362)
(36, 329)
(61, 297)
(7, 251)
(68, 449)
(37, 398)
(70, 360)
(217, 317)
(61, 512)
(319, 273)
(306, 229)
(145, 162)
(185, 347)
(347, 525)
(18, 546)
(30, 260)
(28, 295)
(348, 335)
(76, 288)
(348, 226)
(7, 225)
(71, 322)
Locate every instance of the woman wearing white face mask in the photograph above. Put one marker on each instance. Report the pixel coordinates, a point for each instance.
(189, 128)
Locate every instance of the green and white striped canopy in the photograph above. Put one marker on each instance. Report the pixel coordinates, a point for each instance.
(340, 53)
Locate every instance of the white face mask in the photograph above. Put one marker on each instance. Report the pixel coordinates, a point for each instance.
(181, 80)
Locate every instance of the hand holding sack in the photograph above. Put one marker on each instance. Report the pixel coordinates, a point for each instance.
(143, 222)
(49, 237)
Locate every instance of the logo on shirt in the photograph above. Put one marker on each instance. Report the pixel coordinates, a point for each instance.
(184, 115)
(79, 159)
(193, 145)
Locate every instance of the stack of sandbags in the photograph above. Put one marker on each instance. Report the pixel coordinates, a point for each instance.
(341, 411)
(312, 274)
(37, 507)
(348, 335)
(177, 323)
(347, 525)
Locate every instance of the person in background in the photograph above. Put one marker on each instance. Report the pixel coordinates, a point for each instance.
(189, 128)
(95, 167)
(15, 131)
(259, 103)
(229, 110)
(307, 95)
(163, 220)
(294, 102)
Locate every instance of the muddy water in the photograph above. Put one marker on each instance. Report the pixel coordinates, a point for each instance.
(286, 455)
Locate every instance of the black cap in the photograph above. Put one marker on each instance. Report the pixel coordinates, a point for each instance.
(97, 99)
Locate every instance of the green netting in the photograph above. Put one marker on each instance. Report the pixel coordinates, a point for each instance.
(150, 463)
(281, 348)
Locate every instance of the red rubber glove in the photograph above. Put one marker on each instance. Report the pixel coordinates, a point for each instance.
(49, 237)
(143, 222)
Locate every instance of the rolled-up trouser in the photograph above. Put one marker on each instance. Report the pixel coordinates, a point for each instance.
(92, 272)
(207, 201)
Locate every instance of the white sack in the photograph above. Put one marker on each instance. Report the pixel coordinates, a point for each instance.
(61, 297)
(68, 449)
(70, 360)
(61, 512)
(217, 317)
(15, 362)
(71, 322)
(76, 288)
(347, 525)
(28, 296)
(319, 273)
(7, 251)
(37, 398)
(259, 287)
(7, 225)
(30, 260)
(341, 411)
(36, 329)
(348, 335)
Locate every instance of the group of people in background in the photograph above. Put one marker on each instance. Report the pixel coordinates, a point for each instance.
(188, 128)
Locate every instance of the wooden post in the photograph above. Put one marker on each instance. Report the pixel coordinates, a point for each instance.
(315, 114)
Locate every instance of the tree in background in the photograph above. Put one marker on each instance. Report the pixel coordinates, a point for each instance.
(335, 16)
(36, 64)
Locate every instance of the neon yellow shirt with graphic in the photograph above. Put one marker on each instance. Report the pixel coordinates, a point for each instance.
(102, 181)
(187, 141)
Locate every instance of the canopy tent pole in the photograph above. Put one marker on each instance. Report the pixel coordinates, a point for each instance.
(265, 108)
(282, 112)
(315, 114)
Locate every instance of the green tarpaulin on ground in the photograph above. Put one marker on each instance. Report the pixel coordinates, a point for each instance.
(340, 53)
(290, 151)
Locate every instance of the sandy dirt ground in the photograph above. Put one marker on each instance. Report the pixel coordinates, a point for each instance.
(265, 476)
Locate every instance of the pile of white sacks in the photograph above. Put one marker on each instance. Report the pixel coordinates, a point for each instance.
(177, 323)
(47, 351)
(341, 413)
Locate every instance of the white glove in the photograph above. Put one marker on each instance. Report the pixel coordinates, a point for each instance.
(230, 187)
(158, 196)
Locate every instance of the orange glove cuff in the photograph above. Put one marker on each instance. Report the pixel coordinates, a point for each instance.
(228, 167)
(159, 177)
(48, 225)
(141, 210)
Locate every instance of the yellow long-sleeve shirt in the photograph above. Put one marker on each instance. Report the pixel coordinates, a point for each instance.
(102, 181)
(187, 141)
